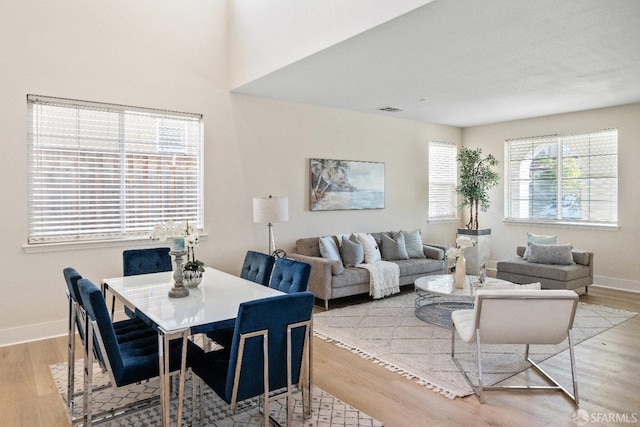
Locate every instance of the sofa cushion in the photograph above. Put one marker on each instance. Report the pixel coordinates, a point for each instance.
(393, 246)
(350, 276)
(423, 266)
(413, 243)
(308, 246)
(550, 254)
(538, 238)
(352, 251)
(370, 246)
(563, 273)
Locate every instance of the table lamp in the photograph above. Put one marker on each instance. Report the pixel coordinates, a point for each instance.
(269, 210)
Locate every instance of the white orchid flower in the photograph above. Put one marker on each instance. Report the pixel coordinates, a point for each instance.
(192, 239)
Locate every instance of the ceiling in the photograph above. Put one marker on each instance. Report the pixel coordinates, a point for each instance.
(467, 62)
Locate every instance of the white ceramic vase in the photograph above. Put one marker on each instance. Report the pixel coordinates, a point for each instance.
(461, 270)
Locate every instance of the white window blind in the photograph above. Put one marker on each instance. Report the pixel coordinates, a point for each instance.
(102, 171)
(564, 178)
(442, 180)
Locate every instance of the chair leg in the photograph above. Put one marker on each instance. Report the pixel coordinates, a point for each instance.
(574, 377)
(88, 375)
(479, 356)
(460, 368)
(71, 357)
(265, 379)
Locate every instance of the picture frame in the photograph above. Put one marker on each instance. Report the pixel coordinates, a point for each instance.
(346, 185)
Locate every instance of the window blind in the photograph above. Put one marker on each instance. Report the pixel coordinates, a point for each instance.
(564, 178)
(442, 180)
(102, 171)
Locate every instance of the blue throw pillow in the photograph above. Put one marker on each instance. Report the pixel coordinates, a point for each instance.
(329, 248)
(413, 243)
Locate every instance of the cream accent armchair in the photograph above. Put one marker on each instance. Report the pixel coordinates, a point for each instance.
(526, 317)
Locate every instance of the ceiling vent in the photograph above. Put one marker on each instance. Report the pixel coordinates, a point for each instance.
(391, 109)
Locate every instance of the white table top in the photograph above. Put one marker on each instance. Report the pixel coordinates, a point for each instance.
(216, 299)
(442, 284)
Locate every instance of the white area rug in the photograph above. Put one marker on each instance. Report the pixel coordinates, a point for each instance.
(327, 410)
(388, 333)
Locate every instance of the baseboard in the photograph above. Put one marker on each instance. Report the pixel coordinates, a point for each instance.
(35, 332)
(615, 283)
(41, 331)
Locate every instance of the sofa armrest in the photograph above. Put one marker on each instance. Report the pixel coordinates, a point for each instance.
(320, 277)
(434, 251)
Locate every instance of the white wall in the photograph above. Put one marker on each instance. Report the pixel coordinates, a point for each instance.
(161, 54)
(615, 259)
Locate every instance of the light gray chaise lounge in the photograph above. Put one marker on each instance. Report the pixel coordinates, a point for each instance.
(550, 276)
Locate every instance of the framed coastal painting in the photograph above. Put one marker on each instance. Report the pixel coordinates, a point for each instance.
(346, 184)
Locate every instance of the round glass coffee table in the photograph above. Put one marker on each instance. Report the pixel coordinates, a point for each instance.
(437, 297)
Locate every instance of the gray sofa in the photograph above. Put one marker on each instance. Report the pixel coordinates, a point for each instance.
(330, 279)
(550, 276)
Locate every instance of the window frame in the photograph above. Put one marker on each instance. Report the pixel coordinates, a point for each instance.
(562, 142)
(133, 164)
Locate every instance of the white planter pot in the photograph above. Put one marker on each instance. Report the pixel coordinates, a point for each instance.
(479, 254)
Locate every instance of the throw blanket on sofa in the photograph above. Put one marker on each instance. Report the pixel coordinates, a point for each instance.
(384, 278)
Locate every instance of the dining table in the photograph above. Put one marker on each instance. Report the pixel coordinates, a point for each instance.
(213, 303)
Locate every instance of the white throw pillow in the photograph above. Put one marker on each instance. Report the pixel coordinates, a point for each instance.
(371, 250)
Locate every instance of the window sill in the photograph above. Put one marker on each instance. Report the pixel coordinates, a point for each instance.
(559, 224)
(442, 220)
(139, 242)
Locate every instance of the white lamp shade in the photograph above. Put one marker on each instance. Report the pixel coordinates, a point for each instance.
(269, 210)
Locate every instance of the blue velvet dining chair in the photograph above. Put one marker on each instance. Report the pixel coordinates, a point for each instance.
(288, 276)
(270, 351)
(127, 362)
(144, 261)
(125, 330)
(257, 267)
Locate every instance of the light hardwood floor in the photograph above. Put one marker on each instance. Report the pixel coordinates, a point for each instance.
(608, 374)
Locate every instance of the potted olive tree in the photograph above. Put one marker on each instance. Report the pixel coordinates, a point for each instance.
(476, 179)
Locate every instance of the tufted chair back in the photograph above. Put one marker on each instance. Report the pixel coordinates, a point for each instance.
(143, 261)
(290, 275)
